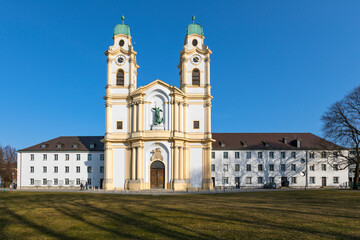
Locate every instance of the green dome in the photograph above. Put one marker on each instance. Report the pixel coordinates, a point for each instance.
(122, 28)
(194, 28)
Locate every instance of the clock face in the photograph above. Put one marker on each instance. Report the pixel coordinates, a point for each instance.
(120, 60)
(196, 59)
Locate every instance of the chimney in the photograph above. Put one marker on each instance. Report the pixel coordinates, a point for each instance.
(285, 140)
(298, 142)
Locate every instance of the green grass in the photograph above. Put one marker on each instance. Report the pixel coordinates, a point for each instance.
(328, 214)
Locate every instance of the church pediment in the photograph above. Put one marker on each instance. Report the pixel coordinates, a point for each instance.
(154, 84)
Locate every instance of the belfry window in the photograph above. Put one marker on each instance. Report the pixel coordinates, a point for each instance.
(196, 77)
(120, 78)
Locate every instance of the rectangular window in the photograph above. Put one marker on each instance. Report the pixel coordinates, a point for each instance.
(271, 167)
(312, 167)
(272, 179)
(225, 180)
(44, 181)
(31, 157)
(335, 167)
(237, 180)
(311, 155)
(336, 179)
(101, 169)
(44, 169)
(293, 154)
(101, 157)
(293, 167)
(67, 169)
(213, 155)
(67, 181)
(323, 155)
(260, 167)
(260, 180)
(248, 180)
(77, 157)
(237, 167)
(56, 157)
(56, 181)
(119, 125)
(336, 154)
(196, 124)
(283, 155)
(77, 169)
(293, 180)
(248, 155)
(92, 145)
(32, 181)
(89, 169)
(323, 167)
(56, 169)
(248, 167)
(271, 155)
(226, 167)
(78, 181)
(260, 155)
(67, 156)
(89, 181)
(237, 155)
(312, 180)
(89, 157)
(31, 169)
(282, 167)
(44, 157)
(213, 167)
(226, 155)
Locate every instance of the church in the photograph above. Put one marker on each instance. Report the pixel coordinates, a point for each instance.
(159, 136)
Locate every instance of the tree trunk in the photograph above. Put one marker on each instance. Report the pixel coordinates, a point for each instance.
(356, 180)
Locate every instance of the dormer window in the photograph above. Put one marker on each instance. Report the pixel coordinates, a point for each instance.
(75, 146)
(43, 145)
(92, 145)
(59, 145)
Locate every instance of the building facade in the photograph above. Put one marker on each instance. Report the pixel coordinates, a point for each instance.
(159, 136)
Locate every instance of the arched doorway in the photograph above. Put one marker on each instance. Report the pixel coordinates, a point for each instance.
(157, 175)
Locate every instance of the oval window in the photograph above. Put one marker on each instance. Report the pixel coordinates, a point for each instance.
(121, 43)
(194, 42)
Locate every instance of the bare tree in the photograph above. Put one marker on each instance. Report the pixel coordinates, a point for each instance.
(7, 163)
(341, 124)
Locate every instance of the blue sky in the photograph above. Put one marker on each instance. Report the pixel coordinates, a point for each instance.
(276, 65)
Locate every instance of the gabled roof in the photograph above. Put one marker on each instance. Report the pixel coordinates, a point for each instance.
(157, 82)
(83, 144)
(271, 141)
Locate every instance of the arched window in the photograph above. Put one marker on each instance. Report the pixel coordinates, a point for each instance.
(196, 77)
(120, 78)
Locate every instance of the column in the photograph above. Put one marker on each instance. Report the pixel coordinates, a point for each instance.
(140, 161)
(141, 116)
(133, 163)
(109, 172)
(108, 107)
(207, 76)
(184, 75)
(176, 164)
(135, 118)
(176, 109)
(181, 160)
(180, 117)
(185, 108)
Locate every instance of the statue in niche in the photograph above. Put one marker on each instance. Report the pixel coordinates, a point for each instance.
(157, 155)
(157, 120)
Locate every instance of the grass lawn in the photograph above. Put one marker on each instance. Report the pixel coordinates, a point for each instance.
(316, 214)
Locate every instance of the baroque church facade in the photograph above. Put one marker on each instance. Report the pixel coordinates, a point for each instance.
(158, 135)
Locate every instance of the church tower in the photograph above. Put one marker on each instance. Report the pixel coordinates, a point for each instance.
(195, 83)
(121, 82)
